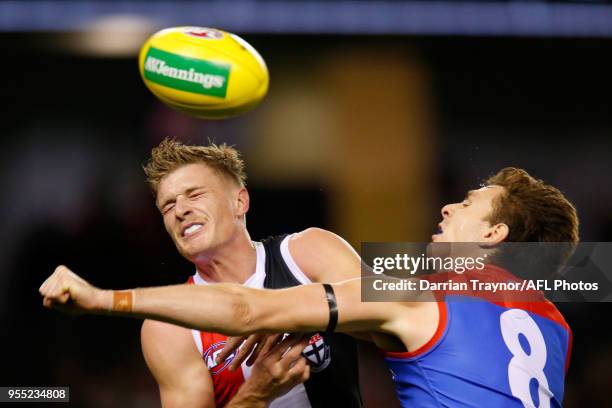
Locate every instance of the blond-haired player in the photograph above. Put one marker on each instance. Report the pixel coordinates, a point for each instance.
(201, 194)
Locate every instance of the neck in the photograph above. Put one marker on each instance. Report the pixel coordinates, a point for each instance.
(232, 262)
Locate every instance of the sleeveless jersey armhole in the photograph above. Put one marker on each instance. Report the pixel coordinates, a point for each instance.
(435, 339)
(196, 333)
(293, 267)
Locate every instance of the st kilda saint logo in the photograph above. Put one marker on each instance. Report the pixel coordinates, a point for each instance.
(318, 353)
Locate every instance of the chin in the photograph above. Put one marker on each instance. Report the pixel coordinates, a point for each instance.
(193, 250)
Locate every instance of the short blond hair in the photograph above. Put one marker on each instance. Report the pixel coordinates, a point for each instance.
(171, 154)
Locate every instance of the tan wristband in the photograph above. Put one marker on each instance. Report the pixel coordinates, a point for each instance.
(123, 300)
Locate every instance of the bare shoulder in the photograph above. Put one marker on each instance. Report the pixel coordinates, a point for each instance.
(318, 239)
(324, 256)
(160, 336)
(174, 360)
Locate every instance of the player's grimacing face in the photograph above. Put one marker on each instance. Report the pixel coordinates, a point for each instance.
(467, 221)
(199, 208)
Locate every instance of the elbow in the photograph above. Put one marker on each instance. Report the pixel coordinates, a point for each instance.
(243, 316)
(247, 312)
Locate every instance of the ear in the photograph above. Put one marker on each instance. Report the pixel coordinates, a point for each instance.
(496, 234)
(242, 202)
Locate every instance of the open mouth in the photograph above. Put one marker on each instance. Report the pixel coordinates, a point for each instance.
(191, 229)
(439, 231)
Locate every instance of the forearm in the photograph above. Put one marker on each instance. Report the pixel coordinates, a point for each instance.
(227, 308)
(246, 399)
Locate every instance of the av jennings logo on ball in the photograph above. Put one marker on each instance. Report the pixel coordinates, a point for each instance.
(186, 74)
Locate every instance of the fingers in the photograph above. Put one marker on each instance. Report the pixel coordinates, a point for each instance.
(264, 347)
(52, 303)
(63, 297)
(245, 350)
(231, 344)
(48, 303)
(306, 372)
(56, 302)
(55, 289)
(297, 374)
(294, 355)
(66, 291)
(280, 365)
(300, 371)
(254, 346)
(281, 348)
(256, 352)
(52, 287)
(46, 286)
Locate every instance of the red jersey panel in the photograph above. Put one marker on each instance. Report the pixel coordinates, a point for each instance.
(225, 382)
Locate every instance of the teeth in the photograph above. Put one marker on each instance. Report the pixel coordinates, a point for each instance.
(192, 229)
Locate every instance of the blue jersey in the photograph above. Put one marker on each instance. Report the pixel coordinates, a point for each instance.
(485, 353)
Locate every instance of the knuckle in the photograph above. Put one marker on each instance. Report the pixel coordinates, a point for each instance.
(297, 374)
(276, 372)
(295, 352)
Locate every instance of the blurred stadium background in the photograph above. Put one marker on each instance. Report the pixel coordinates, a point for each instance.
(378, 114)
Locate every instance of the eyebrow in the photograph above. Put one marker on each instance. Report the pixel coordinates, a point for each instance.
(171, 200)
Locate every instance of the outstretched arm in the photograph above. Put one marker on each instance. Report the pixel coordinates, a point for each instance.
(226, 308)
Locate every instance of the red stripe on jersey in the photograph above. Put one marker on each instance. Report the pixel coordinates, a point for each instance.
(442, 321)
(225, 382)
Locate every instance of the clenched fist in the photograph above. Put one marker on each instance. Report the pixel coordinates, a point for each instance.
(66, 291)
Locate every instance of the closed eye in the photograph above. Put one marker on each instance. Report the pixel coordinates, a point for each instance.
(167, 209)
(197, 195)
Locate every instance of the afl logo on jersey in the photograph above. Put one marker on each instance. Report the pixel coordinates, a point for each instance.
(318, 353)
(211, 354)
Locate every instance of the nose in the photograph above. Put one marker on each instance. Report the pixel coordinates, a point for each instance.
(447, 210)
(181, 207)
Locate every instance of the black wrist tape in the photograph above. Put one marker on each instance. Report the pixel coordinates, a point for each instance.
(333, 308)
